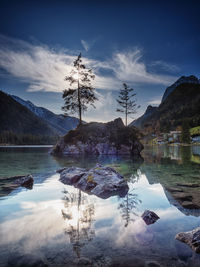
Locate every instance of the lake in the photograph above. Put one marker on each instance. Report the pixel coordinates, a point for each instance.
(58, 225)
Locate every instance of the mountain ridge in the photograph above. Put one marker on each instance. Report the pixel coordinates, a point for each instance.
(174, 108)
(18, 119)
(60, 123)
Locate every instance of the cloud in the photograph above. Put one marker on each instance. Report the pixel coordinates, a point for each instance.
(128, 66)
(165, 66)
(85, 45)
(44, 68)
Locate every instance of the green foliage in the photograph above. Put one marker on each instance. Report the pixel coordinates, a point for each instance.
(185, 133)
(195, 131)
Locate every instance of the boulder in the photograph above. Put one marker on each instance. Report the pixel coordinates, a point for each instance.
(25, 181)
(149, 217)
(100, 181)
(94, 138)
(191, 238)
(71, 175)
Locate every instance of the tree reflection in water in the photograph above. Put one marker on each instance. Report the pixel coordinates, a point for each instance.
(79, 216)
(129, 203)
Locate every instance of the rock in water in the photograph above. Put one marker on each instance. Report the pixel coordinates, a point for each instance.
(71, 175)
(150, 217)
(94, 138)
(100, 181)
(25, 181)
(191, 238)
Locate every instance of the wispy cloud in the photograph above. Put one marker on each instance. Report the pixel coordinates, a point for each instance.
(44, 68)
(128, 66)
(85, 45)
(168, 67)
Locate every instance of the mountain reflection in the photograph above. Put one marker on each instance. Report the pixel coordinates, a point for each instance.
(78, 215)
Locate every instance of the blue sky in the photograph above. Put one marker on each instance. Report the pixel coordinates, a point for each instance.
(148, 44)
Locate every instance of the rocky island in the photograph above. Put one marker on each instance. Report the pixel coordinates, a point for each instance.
(95, 138)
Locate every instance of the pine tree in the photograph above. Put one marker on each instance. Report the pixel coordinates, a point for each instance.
(127, 102)
(80, 92)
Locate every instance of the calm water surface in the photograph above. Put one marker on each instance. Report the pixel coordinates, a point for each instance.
(57, 225)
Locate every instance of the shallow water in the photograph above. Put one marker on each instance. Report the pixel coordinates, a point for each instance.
(58, 225)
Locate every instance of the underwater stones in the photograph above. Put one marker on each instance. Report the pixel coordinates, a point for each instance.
(100, 181)
(191, 238)
(192, 185)
(149, 217)
(185, 194)
(25, 181)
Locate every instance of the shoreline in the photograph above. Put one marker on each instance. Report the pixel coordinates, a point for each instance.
(12, 146)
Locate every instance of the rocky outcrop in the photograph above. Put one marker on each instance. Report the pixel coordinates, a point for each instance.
(111, 138)
(149, 217)
(191, 238)
(100, 181)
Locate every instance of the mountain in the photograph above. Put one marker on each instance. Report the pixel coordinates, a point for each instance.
(180, 101)
(183, 79)
(149, 111)
(18, 119)
(59, 123)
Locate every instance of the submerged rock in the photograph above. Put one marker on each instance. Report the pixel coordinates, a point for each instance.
(100, 181)
(111, 138)
(8, 184)
(185, 196)
(191, 238)
(150, 217)
(25, 181)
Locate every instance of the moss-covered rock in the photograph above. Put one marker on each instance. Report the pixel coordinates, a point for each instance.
(111, 138)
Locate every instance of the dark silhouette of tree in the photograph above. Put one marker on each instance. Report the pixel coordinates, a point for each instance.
(80, 92)
(79, 220)
(185, 132)
(127, 102)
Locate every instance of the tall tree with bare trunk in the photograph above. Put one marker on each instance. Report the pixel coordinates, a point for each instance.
(80, 92)
(127, 102)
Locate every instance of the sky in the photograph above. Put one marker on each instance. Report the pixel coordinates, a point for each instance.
(147, 44)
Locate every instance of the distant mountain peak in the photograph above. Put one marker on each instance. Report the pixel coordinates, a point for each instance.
(149, 111)
(61, 124)
(185, 85)
(181, 80)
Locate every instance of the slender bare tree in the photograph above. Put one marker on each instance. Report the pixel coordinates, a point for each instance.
(80, 92)
(127, 102)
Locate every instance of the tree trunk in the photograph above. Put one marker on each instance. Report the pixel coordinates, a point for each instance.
(79, 104)
(126, 114)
